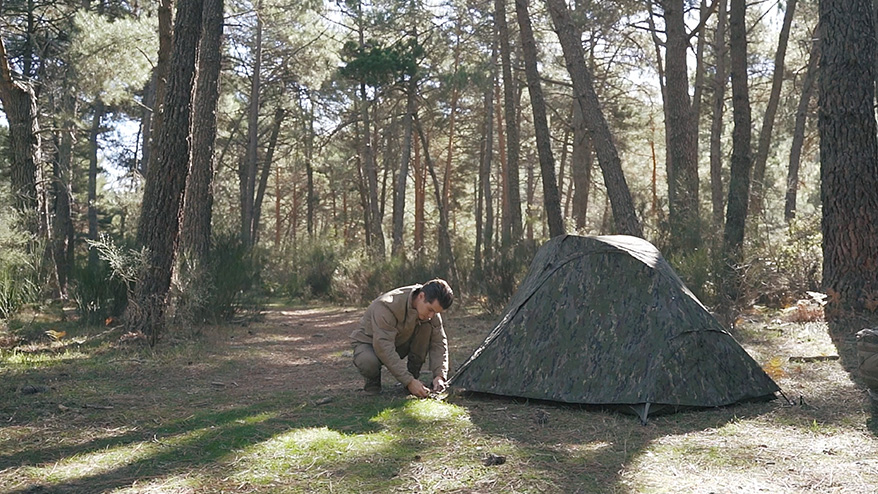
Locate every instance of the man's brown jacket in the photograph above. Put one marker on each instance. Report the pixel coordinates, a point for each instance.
(390, 322)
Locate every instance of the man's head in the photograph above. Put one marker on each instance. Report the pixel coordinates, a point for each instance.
(432, 298)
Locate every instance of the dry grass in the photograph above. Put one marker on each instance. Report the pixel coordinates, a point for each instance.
(275, 407)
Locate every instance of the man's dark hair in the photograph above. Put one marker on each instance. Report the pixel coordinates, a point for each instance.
(438, 289)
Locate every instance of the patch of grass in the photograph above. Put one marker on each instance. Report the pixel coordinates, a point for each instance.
(273, 406)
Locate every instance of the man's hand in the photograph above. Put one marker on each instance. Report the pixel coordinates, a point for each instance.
(438, 384)
(417, 388)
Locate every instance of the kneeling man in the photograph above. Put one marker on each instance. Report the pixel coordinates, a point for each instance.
(401, 323)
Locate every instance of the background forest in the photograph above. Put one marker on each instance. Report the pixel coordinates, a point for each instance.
(335, 149)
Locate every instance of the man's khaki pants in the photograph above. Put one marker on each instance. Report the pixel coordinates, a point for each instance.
(415, 349)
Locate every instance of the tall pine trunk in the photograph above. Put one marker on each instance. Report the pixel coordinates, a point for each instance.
(624, 213)
(198, 205)
(682, 140)
(720, 79)
(20, 105)
(790, 197)
(512, 227)
(98, 114)
(757, 192)
(551, 196)
(396, 248)
(741, 162)
(848, 157)
(166, 179)
(249, 166)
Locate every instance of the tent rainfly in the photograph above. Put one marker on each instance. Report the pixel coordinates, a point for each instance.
(606, 321)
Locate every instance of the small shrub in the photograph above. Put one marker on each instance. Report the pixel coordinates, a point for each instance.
(501, 276)
(97, 294)
(235, 273)
(19, 268)
(103, 290)
(360, 279)
(784, 271)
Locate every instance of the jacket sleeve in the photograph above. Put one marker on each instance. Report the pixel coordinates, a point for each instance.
(439, 349)
(384, 342)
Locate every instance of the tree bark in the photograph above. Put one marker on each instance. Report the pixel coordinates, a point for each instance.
(62, 224)
(447, 265)
(248, 168)
(279, 115)
(680, 124)
(93, 181)
(848, 157)
(20, 106)
(581, 161)
(716, 120)
(512, 227)
(741, 162)
(198, 203)
(163, 194)
(624, 213)
(790, 198)
(487, 233)
(396, 248)
(551, 196)
(757, 193)
(160, 76)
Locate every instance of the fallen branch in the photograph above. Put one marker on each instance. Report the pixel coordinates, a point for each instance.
(815, 358)
(98, 407)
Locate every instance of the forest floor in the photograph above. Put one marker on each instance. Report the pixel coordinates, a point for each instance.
(274, 406)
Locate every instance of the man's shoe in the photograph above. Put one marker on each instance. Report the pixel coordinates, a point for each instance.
(373, 386)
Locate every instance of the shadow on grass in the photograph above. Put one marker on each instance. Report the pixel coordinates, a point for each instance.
(201, 440)
(586, 448)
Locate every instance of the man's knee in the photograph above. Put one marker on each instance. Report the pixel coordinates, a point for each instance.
(366, 361)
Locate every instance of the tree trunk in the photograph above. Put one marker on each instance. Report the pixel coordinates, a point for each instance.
(682, 160)
(163, 194)
(447, 266)
(311, 194)
(581, 161)
(716, 123)
(160, 76)
(146, 124)
(20, 106)
(741, 162)
(485, 166)
(551, 196)
(624, 213)
(402, 177)
(198, 203)
(757, 193)
(799, 132)
(848, 154)
(248, 168)
(420, 179)
(512, 227)
(63, 232)
(93, 182)
(279, 115)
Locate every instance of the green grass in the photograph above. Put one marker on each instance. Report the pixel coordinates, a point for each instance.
(274, 407)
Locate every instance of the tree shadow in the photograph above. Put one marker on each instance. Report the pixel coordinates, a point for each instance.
(843, 332)
(202, 440)
(587, 448)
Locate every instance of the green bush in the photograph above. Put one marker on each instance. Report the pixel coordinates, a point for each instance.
(780, 272)
(97, 293)
(234, 276)
(360, 278)
(501, 276)
(19, 268)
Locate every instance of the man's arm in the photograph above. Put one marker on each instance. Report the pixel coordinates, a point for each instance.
(438, 353)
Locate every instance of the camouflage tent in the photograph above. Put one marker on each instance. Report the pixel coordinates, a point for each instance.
(606, 321)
